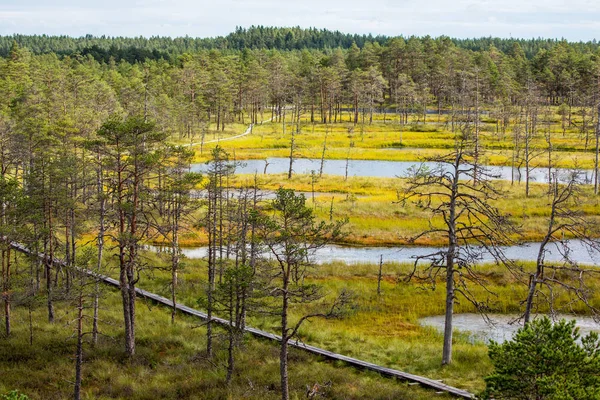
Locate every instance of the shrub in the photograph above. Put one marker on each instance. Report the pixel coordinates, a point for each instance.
(13, 395)
(545, 361)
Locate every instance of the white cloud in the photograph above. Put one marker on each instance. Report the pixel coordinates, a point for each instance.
(575, 19)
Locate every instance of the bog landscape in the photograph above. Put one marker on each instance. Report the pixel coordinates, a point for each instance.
(299, 213)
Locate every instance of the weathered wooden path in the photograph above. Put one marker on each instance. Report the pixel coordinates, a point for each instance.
(426, 382)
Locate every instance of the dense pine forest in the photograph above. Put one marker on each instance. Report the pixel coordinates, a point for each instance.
(259, 37)
(558, 71)
(182, 82)
(100, 144)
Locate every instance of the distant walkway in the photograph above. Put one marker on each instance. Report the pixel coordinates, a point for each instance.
(246, 132)
(426, 382)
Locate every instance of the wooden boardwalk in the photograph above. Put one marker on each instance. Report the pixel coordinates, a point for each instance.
(426, 382)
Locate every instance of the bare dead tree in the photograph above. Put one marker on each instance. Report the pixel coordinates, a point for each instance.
(234, 295)
(530, 133)
(597, 152)
(516, 158)
(460, 205)
(379, 275)
(348, 160)
(293, 145)
(324, 150)
(567, 276)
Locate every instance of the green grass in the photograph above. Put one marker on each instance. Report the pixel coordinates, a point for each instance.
(375, 217)
(385, 329)
(376, 220)
(170, 363)
(391, 141)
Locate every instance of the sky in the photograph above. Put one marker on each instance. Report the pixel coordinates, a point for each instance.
(573, 20)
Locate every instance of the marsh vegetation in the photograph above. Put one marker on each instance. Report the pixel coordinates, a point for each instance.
(101, 158)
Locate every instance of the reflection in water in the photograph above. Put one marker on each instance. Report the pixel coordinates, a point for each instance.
(500, 328)
(503, 326)
(380, 169)
(356, 255)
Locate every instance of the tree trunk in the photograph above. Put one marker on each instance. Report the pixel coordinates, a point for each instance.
(476, 155)
(175, 265)
(450, 257)
(324, 150)
(292, 144)
(49, 261)
(447, 349)
(100, 245)
(125, 295)
(530, 295)
(283, 353)
(212, 251)
(596, 180)
(379, 275)
(231, 346)
(539, 273)
(355, 109)
(129, 349)
(6, 290)
(527, 151)
(79, 353)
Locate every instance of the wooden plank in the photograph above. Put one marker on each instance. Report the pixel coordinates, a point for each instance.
(423, 381)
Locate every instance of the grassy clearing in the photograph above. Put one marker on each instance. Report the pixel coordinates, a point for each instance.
(212, 134)
(375, 217)
(385, 329)
(169, 364)
(382, 329)
(391, 141)
(376, 220)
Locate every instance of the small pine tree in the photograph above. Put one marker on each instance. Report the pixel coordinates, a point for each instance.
(13, 395)
(545, 361)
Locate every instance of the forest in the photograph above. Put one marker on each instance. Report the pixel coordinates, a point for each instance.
(254, 38)
(122, 157)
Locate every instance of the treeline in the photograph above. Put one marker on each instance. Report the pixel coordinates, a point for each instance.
(58, 114)
(202, 87)
(256, 38)
(203, 91)
(155, 48)
(530, 47)
(87, 178)
(261, 37)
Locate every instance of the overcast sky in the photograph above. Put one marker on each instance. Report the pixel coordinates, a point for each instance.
(573, 20)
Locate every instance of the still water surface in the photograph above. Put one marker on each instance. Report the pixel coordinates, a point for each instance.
(500, 328)
(380, 169)
(356, 255)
